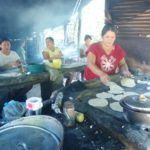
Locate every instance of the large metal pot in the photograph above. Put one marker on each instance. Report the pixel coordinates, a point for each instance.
(33, 132)
(137, 110)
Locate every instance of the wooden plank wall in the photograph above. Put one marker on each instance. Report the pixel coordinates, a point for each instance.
(132, 19)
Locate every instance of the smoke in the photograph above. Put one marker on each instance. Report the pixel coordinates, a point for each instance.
(45, 15)
(20, 15)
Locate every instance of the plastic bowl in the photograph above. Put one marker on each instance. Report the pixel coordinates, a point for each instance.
(36, 68)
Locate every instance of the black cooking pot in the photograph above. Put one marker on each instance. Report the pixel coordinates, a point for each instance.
(32, 133)
(137, 110)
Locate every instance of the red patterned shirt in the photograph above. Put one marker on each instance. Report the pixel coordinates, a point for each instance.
(108, 63)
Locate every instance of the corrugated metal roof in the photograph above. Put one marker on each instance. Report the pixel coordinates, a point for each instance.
(132, 17)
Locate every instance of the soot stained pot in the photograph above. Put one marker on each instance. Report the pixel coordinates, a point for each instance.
(32, 133)
(137, 110)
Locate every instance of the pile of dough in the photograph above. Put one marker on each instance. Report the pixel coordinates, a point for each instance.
(128, 82)
(97, 102)
(114, 88)
(104, 95)
(116, 107)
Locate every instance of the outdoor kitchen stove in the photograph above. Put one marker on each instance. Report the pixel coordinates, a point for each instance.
(131, 135)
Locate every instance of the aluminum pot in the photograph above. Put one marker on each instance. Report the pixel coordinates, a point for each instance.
(137, 110)
(33, 132)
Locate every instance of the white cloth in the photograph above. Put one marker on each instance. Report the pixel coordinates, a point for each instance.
(5, 59)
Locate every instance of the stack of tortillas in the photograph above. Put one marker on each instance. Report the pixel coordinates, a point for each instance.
(128, 82)
(97, 102)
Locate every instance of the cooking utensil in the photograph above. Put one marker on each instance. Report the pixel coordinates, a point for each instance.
(68, 111)
(137, 110)
(33, 132)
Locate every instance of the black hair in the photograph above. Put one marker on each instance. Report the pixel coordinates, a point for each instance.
(108, 27)
(50, 38)
(5, 39)
(87, 37)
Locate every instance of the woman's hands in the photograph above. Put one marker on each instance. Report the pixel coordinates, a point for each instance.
(14, 64)
(104, 78)
(126, 73)
(124, 68)
(45, 55)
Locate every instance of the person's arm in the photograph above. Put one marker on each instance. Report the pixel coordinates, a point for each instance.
(46, 56)
(124, 68)
(91, 59)
(59, 56)
(12, 64)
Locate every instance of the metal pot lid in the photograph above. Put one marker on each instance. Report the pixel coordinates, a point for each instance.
(136, 103)
(28, 137)
(32, 133)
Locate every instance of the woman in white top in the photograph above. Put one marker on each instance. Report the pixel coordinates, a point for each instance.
(8, 58)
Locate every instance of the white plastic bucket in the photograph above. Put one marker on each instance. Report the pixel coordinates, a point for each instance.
(33, 106)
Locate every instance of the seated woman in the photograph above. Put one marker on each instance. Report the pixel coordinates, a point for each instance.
(10, 59)
(52, 58)
(52, 53)
(105, 58)
(85, 46)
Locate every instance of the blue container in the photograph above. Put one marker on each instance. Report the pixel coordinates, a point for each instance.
(36, 68)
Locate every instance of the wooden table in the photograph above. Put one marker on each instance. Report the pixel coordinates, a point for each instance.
(74, 67)
(9, 83)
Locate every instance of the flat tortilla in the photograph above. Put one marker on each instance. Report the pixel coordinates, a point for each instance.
(130, 93)
(128, 82)
(114, 88)
(125, 94)
(104, 95)
(114, 91)
(148, 88)
(147, 94)
(116, 107)
(143, 82)
(118, 97)
(97, 102)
